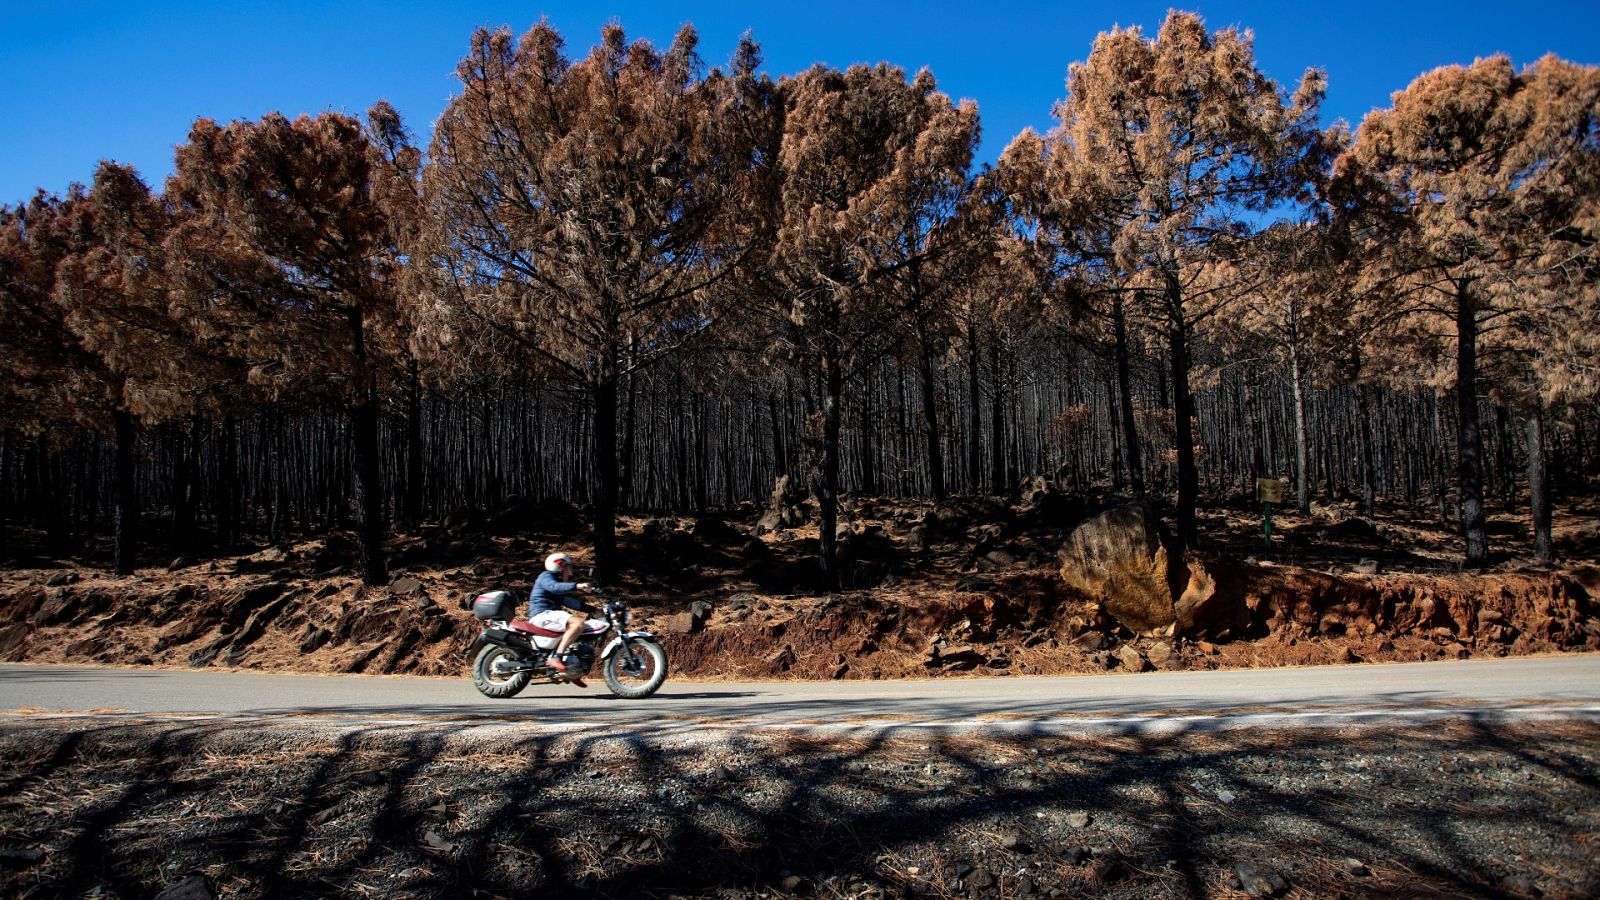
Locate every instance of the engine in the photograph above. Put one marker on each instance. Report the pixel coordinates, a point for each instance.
(579, 658)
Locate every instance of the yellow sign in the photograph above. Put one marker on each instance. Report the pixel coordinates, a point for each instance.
(1269, 490)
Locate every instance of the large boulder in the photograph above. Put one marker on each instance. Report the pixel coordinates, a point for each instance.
(1121, 559)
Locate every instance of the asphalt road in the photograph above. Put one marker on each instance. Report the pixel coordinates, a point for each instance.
(1569, 684)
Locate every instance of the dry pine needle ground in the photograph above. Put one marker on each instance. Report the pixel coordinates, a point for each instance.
(305, 810)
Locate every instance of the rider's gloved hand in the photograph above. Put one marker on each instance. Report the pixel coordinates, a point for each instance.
(585, 586)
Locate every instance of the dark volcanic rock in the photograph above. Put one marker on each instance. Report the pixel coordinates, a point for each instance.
(315, 640)
(685, 623)
(405, 585)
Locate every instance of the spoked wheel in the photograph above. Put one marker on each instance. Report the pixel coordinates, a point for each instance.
(494, 672)
(636, 669)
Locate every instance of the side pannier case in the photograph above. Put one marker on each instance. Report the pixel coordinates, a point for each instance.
(494, 605)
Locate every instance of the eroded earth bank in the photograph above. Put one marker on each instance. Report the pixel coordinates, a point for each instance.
(1050, 585)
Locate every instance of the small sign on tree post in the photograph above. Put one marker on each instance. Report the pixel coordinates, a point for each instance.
(1268, 491)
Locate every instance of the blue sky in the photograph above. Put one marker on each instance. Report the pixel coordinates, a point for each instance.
(85, 81)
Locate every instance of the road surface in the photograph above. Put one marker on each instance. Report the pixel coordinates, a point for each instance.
(1568, 685)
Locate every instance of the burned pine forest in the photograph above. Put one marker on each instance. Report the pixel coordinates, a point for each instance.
(628, 282)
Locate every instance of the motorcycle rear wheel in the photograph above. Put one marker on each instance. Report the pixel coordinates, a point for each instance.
(636, 669)
(491, 682)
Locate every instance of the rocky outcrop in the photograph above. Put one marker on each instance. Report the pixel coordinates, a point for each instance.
(1121, 559)
(785, 508)
(954, 517)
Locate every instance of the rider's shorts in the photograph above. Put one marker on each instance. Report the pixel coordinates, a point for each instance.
(552, 619)
(557, 620)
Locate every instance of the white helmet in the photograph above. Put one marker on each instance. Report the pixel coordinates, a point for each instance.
(555, 561)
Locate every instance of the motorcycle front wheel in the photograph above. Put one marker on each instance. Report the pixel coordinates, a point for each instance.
(636, 669)
(492, 675)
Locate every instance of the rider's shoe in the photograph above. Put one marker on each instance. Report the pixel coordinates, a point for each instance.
(580, 682)
(554, 662)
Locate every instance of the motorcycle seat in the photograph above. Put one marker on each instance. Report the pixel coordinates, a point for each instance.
(592, 626)
(527, 627)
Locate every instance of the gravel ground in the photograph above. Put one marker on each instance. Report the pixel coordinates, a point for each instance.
(132, 809)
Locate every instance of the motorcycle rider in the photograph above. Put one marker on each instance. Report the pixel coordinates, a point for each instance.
(552, 605)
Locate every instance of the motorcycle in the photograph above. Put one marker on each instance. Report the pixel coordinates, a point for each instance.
(509, 653)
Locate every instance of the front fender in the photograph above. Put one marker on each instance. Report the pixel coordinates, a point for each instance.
(617, 641)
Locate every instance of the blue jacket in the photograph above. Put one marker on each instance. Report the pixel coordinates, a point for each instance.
(548, 594)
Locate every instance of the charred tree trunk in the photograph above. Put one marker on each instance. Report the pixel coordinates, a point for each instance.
(680, 445)
(182, 489)
(1539, 488)
(828, 495)
(126, 529)
(7, 492)
(1503, 471)
(605, 476)
(52, 498)
(277, 490)
(1369, 475)
(1439, 463)
(1130, 428)
(630, 428)
(366, 479)
(1252, 424)
(1469, 440)
(997, 422)
(780, 460)
(974, 412)
(868, 452)
(411, 508)
(697, 422)
(930, 417)
(368, 489)
(1302, 458)
(1182, 416)
(228, 483)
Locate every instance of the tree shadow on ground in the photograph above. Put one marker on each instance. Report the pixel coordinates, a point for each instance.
(450, 811)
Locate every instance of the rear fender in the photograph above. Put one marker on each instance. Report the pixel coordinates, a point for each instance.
(618, 641)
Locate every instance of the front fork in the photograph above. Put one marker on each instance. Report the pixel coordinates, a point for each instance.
(623, 640)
